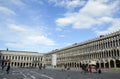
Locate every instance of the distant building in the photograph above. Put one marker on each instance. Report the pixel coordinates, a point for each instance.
(21, 58)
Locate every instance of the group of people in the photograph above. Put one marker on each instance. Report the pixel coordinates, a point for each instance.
(90, 69)
(7, 69)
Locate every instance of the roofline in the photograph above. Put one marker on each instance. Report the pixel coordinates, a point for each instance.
(20, 51)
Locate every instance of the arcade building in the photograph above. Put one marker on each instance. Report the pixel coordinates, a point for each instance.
(104, 51)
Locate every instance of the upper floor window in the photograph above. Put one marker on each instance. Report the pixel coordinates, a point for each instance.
(6, 57)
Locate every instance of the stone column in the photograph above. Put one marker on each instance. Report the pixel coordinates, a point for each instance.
(99, 65)
(104, 65)
(114, 64)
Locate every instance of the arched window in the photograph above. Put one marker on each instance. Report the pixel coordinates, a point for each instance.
(118, 54)
(113, 43)
(116, 42)
(30, 58)
(119, 41)
(21, 57)
(6, 57)
(41, 59)
(112, 53)
(3, 57)
(109, 54)
(9, 57)
(115, 53)
(16, 57)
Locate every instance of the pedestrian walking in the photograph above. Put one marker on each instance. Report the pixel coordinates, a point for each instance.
(40, 67)
(8, 69)
(99, 71)
(3, 67)
(90, 69)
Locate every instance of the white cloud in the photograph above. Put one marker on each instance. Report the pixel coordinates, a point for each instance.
(114, 27)
(93, 14)
(24, 37)
(69, 4)
(6, 11)
(16, 28)
(17, 2)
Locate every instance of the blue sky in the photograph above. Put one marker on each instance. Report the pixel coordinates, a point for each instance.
(46, 25)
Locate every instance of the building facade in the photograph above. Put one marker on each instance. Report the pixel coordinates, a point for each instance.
(104, 51)
(21, 58)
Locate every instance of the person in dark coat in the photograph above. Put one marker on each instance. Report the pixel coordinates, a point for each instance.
(8, 68)
(99, 71)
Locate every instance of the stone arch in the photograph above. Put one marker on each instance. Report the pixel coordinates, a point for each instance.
(72, 64)
(12, 64)
(15, 63)
(35, 64)
(38, 64)
(80, 64)
(102, 54)
(111, 43)
(18, 64)
(112, 53)
(112, 63)
(21, 65)
(115, 53)
(106, 64)
(77, 65)
(27, 64)
(118, 63)
(114, 43)
(118, 54)
(119, 41)
(97, 64)
(109, 54)
(67, 64)
(30, 64)
(102, 64)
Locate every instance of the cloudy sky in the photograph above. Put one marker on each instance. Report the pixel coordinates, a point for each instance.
(45, 25)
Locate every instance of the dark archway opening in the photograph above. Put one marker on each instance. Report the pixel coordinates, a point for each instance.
(107, 65)
(118, 63)
(97, 65)
(102, 65)
(112, 64)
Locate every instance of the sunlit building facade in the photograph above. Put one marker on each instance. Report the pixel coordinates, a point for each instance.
(21, 58)
(104, 51)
